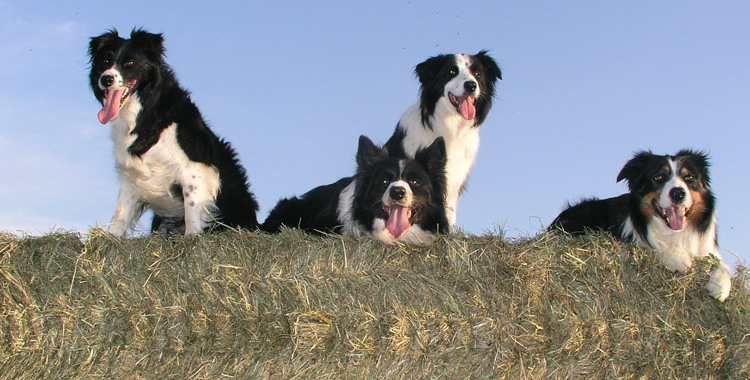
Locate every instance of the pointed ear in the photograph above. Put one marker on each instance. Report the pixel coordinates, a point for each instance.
(433, 158)
(429, 69)
(492, 68)
(368, 153)
(152, 42)
(633, 169)
(99, 41)
(698, 158)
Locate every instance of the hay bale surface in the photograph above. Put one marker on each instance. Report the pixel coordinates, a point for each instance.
(291, 306)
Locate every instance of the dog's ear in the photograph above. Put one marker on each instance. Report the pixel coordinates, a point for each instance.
(489, 64)
(99, 41)
(153, 43)
(368, 153)
(634, 169)
(428, 70)
(433, 158)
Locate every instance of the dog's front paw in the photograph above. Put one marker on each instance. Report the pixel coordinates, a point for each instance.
(678, 263)
(720, 283)
(117, 229)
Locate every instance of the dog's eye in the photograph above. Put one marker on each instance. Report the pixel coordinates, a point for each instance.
(129, 63)
(689, 177)
(658, 178)
(415, 182)
(454, 70)
(477, 75)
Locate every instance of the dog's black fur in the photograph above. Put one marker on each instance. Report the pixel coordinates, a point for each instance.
(152, 103)
(355, 205)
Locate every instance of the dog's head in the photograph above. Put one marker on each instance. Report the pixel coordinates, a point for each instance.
(119, 68)
(465, 83)
(401, 192)
(674, 189)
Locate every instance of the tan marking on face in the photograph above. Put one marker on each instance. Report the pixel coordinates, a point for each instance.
(699, 208)
(647, 204)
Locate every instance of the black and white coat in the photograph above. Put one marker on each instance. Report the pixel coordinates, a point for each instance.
(167, 158)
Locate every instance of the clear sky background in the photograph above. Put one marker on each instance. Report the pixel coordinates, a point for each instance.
(293, 84)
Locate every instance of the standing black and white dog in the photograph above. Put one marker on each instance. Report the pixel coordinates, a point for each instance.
(455, 97)
(393, 200)
(166, 156)
(669, 208)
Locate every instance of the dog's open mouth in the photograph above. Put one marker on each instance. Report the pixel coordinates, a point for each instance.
(399, 219)
(464, 105)
(674, 216)
(113, 101)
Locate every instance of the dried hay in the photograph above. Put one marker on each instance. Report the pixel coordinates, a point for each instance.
(293, 306)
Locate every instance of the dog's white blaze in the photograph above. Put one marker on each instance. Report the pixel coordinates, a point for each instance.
(148, 179)
(456, 85)
(116, 83)
(674, 182)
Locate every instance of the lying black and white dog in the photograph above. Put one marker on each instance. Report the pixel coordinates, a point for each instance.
(669, 208)
(393, 200)
(166, 156)
(455, 97)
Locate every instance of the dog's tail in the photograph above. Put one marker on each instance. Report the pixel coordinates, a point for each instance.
(285, 213)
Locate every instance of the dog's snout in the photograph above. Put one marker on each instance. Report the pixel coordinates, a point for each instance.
(107, 80)
(677, 195)
(398, 192)
(470, 86)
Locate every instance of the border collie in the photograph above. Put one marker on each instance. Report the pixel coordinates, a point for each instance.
(669, 208)
(166, 156)
(393, 200)
(456, 95)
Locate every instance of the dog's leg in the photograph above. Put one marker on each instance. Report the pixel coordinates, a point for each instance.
(200, 186)
(720, 282)
(129, 210)
(451, 203)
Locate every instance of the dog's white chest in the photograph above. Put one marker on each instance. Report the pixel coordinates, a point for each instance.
(461, 147)
(153, 174)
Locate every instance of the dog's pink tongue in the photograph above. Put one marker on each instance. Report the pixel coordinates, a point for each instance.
(676, 217)
(111, 107)
(398, 220)
(466, 107)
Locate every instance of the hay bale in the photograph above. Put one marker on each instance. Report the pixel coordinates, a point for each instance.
(249, 305)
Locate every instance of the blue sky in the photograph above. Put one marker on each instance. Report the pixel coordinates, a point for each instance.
(293, 84)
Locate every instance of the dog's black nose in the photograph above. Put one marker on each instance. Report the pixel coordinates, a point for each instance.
(677, 194)
(397, 192)
(470, 86)
(107, 80)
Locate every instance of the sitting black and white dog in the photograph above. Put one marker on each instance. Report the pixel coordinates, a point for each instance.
(669, 208)
(455, 97)
(393, 200)
(166, 156)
